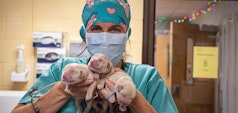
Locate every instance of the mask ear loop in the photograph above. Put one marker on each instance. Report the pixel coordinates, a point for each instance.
(83, 33)
(84, 27)
(82, 50)
(125, 55)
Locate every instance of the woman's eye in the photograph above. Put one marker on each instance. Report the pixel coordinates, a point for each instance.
(95, 29)
(116, 30)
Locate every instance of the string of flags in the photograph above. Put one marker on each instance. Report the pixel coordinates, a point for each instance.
(193, 15)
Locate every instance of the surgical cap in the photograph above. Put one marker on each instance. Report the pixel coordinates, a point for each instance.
(115, 11)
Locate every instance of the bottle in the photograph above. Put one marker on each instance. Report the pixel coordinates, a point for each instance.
(20, 63)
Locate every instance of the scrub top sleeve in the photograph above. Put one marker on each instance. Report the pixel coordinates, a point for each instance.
(160, 97)
(149, 82)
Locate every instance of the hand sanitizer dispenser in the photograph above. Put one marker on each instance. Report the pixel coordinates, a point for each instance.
(20, 63)
(21, 71)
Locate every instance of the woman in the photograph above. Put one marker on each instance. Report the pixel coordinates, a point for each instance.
(105, 30)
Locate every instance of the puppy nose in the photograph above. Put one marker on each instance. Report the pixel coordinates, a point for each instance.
(94, 63)
(67, 77)
(124, 102)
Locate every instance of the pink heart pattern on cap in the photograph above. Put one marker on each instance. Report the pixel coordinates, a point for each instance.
(111, 10)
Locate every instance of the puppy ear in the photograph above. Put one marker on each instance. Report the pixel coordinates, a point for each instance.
(81, 74)
(108, 65)
(119, 88)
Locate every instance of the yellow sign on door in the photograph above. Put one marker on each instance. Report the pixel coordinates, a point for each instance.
(205, 62)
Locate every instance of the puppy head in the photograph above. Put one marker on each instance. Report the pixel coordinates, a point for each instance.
(100, 64)
(74, 73)
(125, 91)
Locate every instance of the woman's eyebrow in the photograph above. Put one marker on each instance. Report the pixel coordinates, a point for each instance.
(116, 26)
(95, 26)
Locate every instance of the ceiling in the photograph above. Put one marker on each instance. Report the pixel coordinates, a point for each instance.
(175, 9)
(171, 10)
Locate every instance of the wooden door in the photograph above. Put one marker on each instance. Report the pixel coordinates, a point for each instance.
(190, 95)
(162, 58)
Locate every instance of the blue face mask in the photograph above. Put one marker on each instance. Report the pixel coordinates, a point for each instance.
(110, 44)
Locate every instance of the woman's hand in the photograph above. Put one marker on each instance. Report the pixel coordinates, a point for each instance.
(79, 90)
(107, 93)
(104, 92)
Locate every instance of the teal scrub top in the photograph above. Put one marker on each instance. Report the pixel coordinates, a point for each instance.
(146, 78)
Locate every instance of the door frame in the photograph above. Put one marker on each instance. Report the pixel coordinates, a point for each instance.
(148, 32)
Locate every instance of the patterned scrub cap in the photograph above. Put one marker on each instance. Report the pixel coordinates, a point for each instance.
(115, 11)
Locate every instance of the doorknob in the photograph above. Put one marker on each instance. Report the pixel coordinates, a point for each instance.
(176, 90)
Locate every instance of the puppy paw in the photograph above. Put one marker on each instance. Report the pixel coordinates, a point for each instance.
(100, 86)
(112, 99)
(68, 91)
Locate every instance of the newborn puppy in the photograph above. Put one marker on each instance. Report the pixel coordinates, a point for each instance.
(98, 64)
(75, 73)
(125, 89)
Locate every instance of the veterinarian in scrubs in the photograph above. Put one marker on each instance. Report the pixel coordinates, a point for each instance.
(106, 30)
